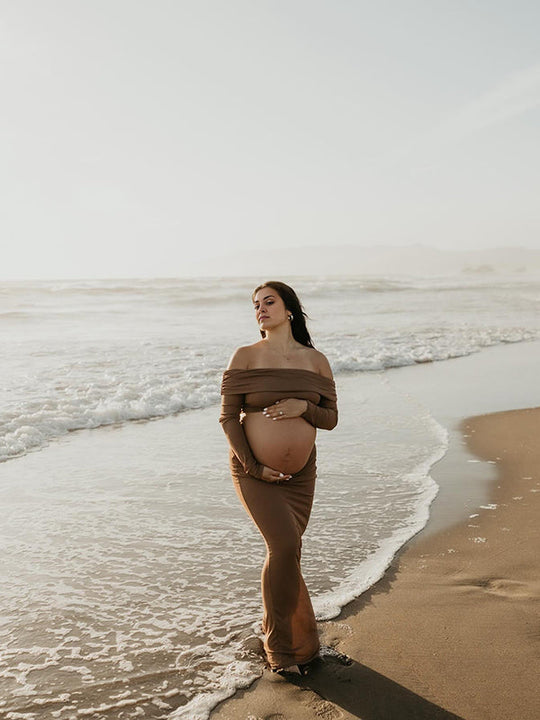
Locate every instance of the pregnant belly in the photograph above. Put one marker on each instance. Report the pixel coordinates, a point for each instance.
(283, 445)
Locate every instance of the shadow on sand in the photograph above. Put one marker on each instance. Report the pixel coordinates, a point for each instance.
(367, 694)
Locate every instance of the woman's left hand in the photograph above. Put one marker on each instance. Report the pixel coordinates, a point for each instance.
(285, 409)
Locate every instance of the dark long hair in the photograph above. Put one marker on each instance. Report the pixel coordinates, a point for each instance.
(294, 306)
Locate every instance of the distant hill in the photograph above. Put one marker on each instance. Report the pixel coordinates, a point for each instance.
(415, 260)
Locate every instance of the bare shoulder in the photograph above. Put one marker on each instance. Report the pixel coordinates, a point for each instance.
(321, 364)
(242, 357)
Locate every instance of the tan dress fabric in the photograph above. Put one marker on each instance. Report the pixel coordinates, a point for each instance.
(280, 511)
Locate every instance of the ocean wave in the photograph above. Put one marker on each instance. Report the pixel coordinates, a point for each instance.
(424, 346)
(91, 395)
(159, 382)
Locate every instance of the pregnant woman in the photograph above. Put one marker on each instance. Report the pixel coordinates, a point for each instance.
(275, 393)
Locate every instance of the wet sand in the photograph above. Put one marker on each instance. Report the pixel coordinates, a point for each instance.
(452, 629)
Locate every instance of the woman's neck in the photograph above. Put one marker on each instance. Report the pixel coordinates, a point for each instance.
(280, 340)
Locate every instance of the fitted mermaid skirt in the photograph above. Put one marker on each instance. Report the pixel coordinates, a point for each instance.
(281, 513)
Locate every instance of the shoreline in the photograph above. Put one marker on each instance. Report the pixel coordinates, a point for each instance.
(450, 630)
(155, 471)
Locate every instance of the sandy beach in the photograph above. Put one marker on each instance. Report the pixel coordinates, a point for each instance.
(452, 629)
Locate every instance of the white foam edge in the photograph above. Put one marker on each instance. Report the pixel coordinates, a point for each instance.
(237, 675)
(328, 605)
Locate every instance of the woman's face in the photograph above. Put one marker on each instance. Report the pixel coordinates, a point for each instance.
(270, 310)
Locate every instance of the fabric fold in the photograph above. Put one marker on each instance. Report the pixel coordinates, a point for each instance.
(277, 379)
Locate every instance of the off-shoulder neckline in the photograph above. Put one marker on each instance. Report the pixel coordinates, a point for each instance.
(273, 369)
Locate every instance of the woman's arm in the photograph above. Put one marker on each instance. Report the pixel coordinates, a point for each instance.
(231, 405)
(324, 415)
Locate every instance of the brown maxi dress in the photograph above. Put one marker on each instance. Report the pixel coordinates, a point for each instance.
(280, 511)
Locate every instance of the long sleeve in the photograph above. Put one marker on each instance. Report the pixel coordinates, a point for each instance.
(231, 405)
(324, 415)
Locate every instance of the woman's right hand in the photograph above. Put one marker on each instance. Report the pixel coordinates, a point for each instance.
(274, 476)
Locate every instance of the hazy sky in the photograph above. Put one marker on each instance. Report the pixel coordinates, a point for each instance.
(138, 136)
